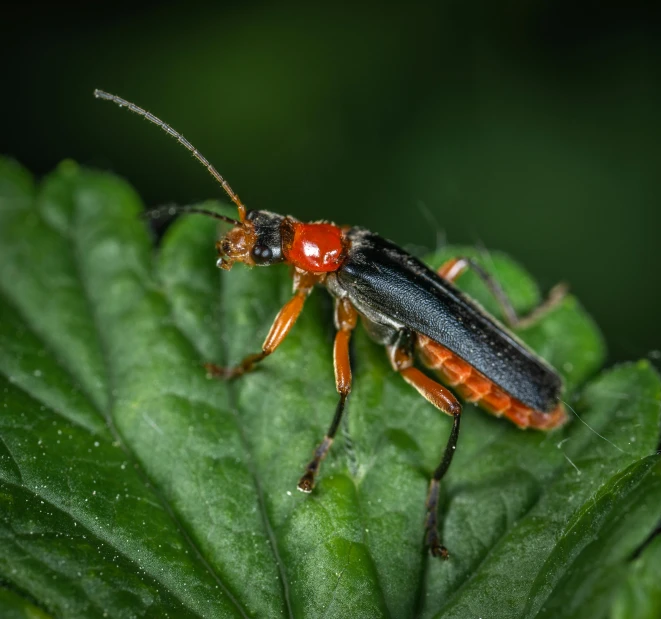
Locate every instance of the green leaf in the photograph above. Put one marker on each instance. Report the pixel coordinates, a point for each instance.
(13, 606)
(639, 596)
(132, 484)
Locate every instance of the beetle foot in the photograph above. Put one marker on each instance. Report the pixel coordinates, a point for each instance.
(432, 538)
(435, 547)
(306, 483)
(221, 373)
(439, 551)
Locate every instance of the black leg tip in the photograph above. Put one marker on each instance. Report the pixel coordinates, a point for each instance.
(306, 483)
(435, 547)
(439, 551)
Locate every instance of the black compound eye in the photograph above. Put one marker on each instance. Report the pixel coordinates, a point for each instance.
(262, 253)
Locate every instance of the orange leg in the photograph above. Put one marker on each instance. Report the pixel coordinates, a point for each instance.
(281, 326)
(401, 358)
(455, 267)
(345, 322)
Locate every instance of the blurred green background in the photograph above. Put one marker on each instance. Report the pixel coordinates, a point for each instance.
(525, 126)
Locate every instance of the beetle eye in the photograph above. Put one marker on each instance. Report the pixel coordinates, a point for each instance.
(262, 253)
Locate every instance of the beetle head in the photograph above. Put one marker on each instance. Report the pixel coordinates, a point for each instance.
(256, 241)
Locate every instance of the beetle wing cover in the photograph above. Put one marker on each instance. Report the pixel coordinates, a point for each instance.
(381, 277)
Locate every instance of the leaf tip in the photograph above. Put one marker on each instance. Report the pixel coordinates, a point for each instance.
(68, 168)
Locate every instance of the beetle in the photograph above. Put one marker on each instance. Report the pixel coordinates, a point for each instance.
(404, 306)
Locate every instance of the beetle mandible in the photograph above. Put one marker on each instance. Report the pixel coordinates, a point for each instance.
(406, 307)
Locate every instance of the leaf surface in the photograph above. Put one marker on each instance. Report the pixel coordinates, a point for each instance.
(131, 483)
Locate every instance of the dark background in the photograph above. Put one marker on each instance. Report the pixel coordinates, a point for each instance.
(530, 127)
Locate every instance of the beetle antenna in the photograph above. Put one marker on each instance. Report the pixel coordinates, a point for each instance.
(100, 94)
(173, 210)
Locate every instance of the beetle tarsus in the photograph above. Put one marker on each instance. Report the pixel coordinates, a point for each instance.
(432, 539)
(438, 550)
(215, 371)
(306, 483)
(222, 373)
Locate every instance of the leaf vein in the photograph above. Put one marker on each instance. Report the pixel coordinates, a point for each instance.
(273, 543)
(249, 464)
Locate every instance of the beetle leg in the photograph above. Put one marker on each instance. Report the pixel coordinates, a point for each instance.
(281, 326)
(401, 358)
(455, 267)
(345, 322)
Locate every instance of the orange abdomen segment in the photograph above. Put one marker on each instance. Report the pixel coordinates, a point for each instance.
(474, 387)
